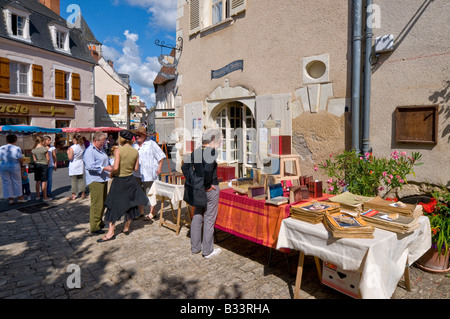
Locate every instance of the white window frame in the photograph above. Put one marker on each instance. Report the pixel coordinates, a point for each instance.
(201, 13)
(61, 47)
(227, 151)
(8, 13)
(15, 71)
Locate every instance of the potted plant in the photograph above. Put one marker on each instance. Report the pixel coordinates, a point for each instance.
(436, 259)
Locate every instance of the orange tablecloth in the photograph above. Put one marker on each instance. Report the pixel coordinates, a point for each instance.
(252, 219)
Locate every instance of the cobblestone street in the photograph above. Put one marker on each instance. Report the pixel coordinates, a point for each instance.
(38, 245)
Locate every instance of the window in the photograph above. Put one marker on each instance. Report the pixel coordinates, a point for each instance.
(237, 124)
(62, 85)
(60, 39)
(19, 78)
(206, 13)
(17, 25)
(112, 104)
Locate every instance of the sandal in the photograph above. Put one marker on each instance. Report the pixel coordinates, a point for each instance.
(103, 239)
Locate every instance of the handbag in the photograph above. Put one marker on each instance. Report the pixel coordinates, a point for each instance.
(194, 188)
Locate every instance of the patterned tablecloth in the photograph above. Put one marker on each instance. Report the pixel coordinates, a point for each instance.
(251, 219)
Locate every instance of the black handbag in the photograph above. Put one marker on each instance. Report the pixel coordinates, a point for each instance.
(194, 186)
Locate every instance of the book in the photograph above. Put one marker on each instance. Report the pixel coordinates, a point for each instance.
(312, 212)
(393, 222)
(280, 200)
(344, 225)
(298, 193)
(351, 202)
(386, 206)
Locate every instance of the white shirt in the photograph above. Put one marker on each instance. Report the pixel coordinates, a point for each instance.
(76, 165)
(50, 155)
(149, 156)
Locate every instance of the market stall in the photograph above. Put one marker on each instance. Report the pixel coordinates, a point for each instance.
(27, 130)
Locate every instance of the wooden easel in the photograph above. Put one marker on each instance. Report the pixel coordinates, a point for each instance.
(164, 148)
(283, 160)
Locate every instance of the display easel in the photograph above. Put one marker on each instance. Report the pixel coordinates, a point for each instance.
(295, 159)
(164, 148)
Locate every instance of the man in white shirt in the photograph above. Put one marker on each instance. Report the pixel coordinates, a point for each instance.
(151, 159)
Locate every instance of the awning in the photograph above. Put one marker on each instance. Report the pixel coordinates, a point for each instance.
(90, 129)
(28, 129)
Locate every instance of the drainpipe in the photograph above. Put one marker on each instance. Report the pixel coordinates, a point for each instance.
(356, 73)
(367, 79)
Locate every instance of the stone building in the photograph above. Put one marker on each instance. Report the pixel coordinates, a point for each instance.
(257, 69)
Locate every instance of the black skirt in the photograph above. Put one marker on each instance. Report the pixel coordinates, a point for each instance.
(124, 198)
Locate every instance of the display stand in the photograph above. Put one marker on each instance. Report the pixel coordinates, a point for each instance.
(295, 159)
(174, 194)
(176, 227)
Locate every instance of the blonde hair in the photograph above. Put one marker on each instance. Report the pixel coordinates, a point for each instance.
(37, 141)
(123, 141)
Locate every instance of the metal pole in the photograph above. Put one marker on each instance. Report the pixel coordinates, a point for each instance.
(356, 73)
(367, 78)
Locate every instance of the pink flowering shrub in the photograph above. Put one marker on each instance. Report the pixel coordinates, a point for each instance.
(367, 175)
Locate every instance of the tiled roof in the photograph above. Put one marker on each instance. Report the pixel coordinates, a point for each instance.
(40, 19)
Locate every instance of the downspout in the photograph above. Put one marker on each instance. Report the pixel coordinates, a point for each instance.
(367, 79)
(356, 73)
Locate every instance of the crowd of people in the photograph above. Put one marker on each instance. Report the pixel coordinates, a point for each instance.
(119, 177)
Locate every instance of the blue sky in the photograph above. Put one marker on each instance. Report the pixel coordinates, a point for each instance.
(128, 30)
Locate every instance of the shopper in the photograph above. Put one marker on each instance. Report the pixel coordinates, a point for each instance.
(52, 164)
(41, 159)
(125, 195)
(203, 161)
(151, 159)
(26, 191)
(76, 167)
(97, 168)
(11, 160)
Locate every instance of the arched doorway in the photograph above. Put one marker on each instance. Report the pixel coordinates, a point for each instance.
(237, 124)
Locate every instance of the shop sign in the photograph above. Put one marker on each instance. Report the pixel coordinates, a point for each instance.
(165, 114)
(10, 107)
(231, 67)
(168, 60)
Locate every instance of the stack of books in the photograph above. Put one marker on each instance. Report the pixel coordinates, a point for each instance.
(344, 225)
(381, 205)
(390, 221)
(350, 202)
(312, 212)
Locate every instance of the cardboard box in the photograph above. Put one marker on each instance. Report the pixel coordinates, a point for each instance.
(341, 280)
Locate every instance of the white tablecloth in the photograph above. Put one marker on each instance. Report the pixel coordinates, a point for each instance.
(174, 192)
(381, 261)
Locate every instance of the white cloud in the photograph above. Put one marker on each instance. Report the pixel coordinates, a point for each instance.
(129, 62)
(163, 12)
(109, 53)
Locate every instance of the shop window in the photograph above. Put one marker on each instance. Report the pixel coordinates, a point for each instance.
(237, 124)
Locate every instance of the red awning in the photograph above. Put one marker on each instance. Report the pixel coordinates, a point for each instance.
(91, 129)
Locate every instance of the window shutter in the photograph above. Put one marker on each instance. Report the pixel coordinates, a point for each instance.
(237, 6)
(38, 81)
(109, 104)
(115, 104)
(76, 96)
(194, 16)
(4, 75)
(59, 85)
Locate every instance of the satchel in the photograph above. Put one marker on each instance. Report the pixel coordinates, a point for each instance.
(194, 188)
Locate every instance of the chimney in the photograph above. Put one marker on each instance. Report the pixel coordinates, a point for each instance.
(53, 5)
(111, 63)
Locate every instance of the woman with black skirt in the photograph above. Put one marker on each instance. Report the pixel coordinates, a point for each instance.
(125, 194)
